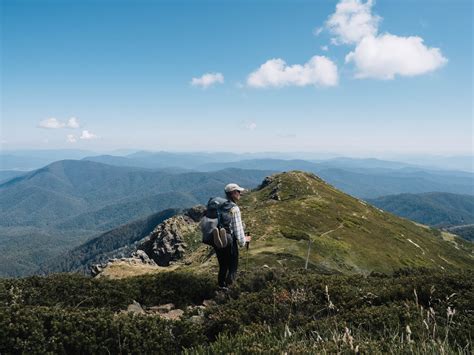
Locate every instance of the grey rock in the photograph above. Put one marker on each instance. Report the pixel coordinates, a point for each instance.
(143, 257)
(162, 308)
(197, 319)
(96, 270)
(135, 308)
(196, 212)
(166, 243)
(208, 303)
(174, 314)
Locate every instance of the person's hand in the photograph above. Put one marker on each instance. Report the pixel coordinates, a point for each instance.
(248, 238)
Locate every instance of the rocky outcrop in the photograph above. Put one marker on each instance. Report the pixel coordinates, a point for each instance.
(275, 192)
(137, 257)
(167, 242)
(164, 245)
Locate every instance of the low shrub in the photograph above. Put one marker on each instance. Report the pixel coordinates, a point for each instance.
(267, 310)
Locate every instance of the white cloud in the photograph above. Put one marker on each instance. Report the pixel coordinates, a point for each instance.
(73, 122)
(379, 56)
(317, 31)
(51, 123)
(352, 21)
(319, 70)
(71, 138)
(324, 48)
(86, 135)
(387, 55)
(208, 79)
(251, 126)
(54, 123)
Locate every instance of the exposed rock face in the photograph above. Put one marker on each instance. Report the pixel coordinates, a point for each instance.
(274, 194)
(140, 254)
(137, 257)
(267, 181)
(196, 212)
(166, 243)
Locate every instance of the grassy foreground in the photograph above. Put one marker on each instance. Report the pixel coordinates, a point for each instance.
(268, 311)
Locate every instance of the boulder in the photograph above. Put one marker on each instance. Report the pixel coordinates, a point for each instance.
(166, 243)
(135, 308)
(174, 314)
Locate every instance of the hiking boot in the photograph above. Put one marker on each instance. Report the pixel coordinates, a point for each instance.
(220, 237)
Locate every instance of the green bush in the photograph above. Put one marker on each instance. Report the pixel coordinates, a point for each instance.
(268, 310)
(45, 329)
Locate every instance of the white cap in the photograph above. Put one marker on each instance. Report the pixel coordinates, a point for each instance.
(233, 187)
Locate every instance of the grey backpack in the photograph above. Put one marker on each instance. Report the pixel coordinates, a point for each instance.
(216, 224)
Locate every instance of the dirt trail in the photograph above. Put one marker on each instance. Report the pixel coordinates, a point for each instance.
(332, 230)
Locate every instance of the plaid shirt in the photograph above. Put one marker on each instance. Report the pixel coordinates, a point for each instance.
(237, 225)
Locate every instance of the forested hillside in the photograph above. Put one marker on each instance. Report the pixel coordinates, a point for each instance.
(437, 209)
(56, 208)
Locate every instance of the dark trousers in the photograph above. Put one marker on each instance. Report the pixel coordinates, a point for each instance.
(228, 262)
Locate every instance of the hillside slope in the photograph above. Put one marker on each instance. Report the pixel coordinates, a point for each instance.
(346, 234)
(122, 239)
(58, 207)
(296, 218)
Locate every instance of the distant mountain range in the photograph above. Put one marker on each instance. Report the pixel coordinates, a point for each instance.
(34, 159)
(365, 178)
(67, 202)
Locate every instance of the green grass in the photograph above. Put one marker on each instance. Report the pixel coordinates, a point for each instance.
(347, 234)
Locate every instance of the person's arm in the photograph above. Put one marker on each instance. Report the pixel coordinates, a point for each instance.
(237, 225)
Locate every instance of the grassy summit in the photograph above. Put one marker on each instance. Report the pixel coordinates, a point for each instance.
(291, 210)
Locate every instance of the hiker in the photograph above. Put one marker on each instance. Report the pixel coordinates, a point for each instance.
(228, 257)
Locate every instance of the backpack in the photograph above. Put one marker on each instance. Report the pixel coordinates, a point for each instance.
(216, 224)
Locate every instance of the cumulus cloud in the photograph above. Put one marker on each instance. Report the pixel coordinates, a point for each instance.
(71, 138)
(352, 21)
(54, 123)
(208, 79)
(319, 71)
(73, 122)
(86, 135)
(379, 56)
(387, 55)
(51, 123)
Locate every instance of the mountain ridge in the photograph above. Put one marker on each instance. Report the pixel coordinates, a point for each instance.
(298, 220)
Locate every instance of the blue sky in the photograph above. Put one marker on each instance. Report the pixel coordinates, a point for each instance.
(349, 77)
